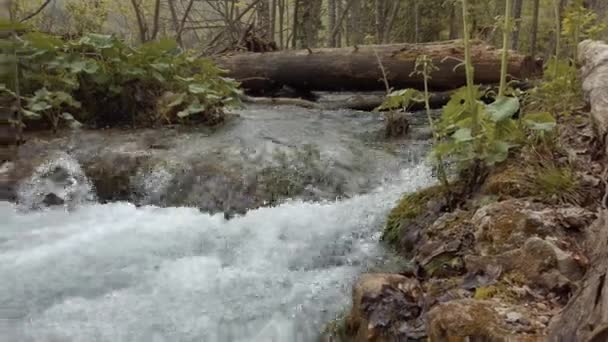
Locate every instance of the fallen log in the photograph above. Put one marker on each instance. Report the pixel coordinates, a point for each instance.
(357, 68)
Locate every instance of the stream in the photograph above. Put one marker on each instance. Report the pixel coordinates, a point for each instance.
(154, 267)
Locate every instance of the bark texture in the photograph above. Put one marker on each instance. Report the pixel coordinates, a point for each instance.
(593, 55)
(358, 68)
(585, 318)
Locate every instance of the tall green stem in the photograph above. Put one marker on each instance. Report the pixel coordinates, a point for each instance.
(441, 173)
(471, 100)
(558, 32)
(506, 32)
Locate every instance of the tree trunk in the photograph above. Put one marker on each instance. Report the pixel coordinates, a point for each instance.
(263, 19)
(331, 13)
(380, 20)
(585, 318)
(355, 32)
(339, 13)
(296, 23)
(281, 24)
(517, 9)
(593, 55)
(357, 68)
(453, 23)
(534, 38)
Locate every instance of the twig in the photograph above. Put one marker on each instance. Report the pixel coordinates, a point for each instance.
(384, 76)
(33, 14)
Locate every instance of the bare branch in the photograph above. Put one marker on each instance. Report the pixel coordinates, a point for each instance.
(35, 13)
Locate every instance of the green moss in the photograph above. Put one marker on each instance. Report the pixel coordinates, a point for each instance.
(410, 207)
(486, 292)
(557, 183)
(444, 265)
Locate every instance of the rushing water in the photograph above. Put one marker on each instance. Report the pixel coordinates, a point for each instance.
(115, 272)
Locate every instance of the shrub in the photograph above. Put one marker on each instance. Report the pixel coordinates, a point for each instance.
(100, 80)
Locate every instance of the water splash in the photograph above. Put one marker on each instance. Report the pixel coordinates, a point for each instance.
(58, 181)
(119, 273)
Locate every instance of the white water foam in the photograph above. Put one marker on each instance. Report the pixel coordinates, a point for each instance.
(119, 273)
(60, 179)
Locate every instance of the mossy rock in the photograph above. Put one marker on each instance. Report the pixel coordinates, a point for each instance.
(507, 181)
(413, 212)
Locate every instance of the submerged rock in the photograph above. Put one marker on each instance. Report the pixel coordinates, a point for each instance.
(261, 158)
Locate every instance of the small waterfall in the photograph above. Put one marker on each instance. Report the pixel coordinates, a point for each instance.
(115, 272)
(58, 181)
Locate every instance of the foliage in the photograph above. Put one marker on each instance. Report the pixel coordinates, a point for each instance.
(400, 100)
(560, 92)
(580, 23)
(101, 80)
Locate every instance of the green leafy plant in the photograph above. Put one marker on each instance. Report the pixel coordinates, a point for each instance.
(425, 67)
(111, 83)
(560, 92)
(580, 23)
(475, 134)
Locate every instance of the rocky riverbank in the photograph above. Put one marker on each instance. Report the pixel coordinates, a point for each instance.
(523, 258)
(499, 267)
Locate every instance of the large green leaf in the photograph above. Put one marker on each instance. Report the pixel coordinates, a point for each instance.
(87, 66)
(99, 41)
(41, 40)
(194, 108)
(40, 106)
(462, 135)
(399, 99)
(503, 108)
(542, 121)
(198, 88)
(28, 114)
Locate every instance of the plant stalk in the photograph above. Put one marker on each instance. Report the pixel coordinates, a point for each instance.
(506, 32)
(471, 101)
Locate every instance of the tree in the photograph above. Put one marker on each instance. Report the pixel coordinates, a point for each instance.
(517, 9)
(534, 34)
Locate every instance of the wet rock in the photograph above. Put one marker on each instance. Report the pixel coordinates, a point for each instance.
(413, 213)
(386, 307)
(397, 125)
(466, 319)
(52, 200)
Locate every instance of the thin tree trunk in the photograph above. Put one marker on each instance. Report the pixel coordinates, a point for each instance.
(391, 21)
(281, 23)
(336, 30)
(453, 24)
(355, 36)
(182, 23)
(534, 38)
(416, 21)
(141, 23)
(294, 31)
(331, 13)
(339, 13)
(517, 9)
(273, 19)
(380, 20)
(156, 23)
(263, 18)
